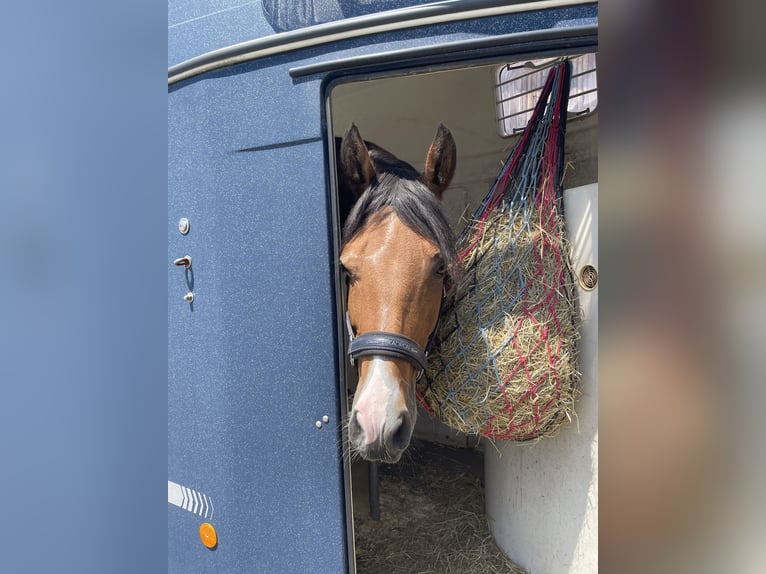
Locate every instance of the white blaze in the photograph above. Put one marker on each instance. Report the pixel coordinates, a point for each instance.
(376, 398)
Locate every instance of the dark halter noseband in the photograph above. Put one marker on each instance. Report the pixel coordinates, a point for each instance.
(388, 345)
(391, 345)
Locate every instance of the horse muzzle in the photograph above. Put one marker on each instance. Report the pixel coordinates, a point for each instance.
(385, 445)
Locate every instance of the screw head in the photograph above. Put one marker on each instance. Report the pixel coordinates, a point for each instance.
(183, 226)
(318, 424)
(189, 297)
(325, 419)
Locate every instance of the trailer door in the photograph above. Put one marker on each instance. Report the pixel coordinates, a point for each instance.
(253, 396)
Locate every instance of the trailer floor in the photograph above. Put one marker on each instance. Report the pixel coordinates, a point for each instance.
(432, 518)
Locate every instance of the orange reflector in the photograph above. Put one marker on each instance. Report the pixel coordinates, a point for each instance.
(208, 535)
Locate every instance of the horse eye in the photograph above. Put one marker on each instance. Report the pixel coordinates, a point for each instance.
(441, 271)
(348, 275)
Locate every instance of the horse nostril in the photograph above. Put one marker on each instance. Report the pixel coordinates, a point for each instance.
(401, 431)
(354, 428)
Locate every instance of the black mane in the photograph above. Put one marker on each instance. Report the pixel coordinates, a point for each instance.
(400, 187)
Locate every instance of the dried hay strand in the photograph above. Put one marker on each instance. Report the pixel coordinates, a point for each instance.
(505, 360)
(432, 518)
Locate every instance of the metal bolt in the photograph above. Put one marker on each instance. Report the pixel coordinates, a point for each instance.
(318, 424)
(326, 419)
(183, 226)
(189, 297)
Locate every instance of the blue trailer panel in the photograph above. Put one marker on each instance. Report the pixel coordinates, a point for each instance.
(252, 360)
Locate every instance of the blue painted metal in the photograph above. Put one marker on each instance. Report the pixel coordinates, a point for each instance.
(196, 28)
(253, 363)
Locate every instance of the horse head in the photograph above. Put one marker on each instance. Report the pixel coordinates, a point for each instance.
(398, 249)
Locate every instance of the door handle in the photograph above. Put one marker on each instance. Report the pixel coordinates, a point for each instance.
(184, 261)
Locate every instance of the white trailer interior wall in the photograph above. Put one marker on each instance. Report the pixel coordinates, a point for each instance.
(542, 498)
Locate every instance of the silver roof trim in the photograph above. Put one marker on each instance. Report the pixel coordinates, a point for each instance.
(351, 28)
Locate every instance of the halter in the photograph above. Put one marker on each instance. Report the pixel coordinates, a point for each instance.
(391, 344)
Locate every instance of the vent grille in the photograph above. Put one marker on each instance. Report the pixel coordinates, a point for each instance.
(519, 84)
(588, 277)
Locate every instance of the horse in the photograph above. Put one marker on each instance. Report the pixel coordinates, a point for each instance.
(397, 252)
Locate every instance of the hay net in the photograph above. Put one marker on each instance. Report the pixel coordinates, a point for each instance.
(504, 362)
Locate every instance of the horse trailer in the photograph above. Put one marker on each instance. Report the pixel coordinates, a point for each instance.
(258, 375)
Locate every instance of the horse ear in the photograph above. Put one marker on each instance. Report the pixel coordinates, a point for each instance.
(440, 161)
(356, 167)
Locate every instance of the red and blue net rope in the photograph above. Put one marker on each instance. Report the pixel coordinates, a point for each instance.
(529, 186)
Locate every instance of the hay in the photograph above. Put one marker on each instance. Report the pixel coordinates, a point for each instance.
(505, 360)
(432, 518)
(504, 363)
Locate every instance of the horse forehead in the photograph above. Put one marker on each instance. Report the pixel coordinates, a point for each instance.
(388, 240)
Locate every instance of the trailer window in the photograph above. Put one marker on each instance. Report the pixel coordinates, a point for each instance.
(519, 85)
